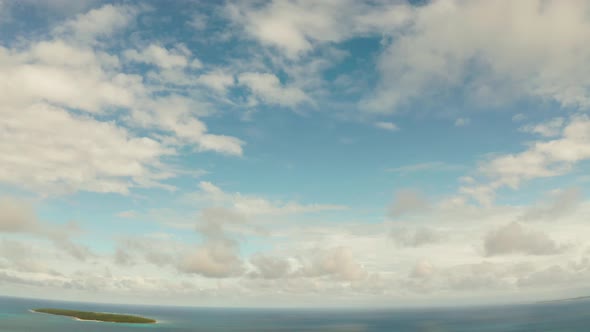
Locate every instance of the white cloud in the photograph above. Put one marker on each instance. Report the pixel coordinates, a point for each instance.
(337, 263)
(507, 41)
(159, 56)
(176, 114)
(84, 83)
(250, 205)
(222, 144)
(422, 269)
(199, 21)
(217, 80)
(543, 158)
(269, 89)
(550, 128)
(561, 204)
(218, 259)
(97, 23)
(48, 83)
(415, 237)
(516, 238)
(297, 27)
(17, 216)
(387, 126)
(59, 152)
(269, 267)
(408, 201)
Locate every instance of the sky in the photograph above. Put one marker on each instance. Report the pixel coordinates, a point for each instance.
(295, 153)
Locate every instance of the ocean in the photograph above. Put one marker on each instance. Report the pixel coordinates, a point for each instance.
(568, 316)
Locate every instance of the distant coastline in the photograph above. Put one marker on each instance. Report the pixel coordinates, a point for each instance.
(89, 316)
(579, 298)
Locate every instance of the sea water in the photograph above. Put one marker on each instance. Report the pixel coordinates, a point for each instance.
(569, 316)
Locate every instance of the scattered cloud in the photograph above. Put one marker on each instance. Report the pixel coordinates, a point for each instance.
(217, 80)
(415, 237)
(561, 204)
(97, 23)
(296, 28)
(515, 238)
(426, 54)
(422, 269)
(250, 205)
(337, 263)
(19, 217)
(217, 259)
(387, 126)
(551, 128)
(268, 88)
(270, 267)
(542, 158)
(408, 201)
(159, 56)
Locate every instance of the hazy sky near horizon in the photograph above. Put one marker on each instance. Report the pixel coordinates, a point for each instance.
(295, 153)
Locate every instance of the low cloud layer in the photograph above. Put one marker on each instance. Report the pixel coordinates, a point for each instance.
(19, 217)
(515, 238)
(559, 205)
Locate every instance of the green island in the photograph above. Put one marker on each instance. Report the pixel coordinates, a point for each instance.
(97, 316)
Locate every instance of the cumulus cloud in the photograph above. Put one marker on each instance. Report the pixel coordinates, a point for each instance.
(415, 237)
(270, 267)
(429, 54)
(160, 250)
(84, 154)
(159, 56)
(214, 259)
(23, 257)
(97, 23)
(337, 263)
(269, 89)
(176, 114)
(218, 255)
(542, 158)
(18, 216)
(422, 269)
(408, 201)
(550, 128)
(296, 27)
(561, 204)
(217, 80)
(569, 273)
(514, 238)
(59, 90)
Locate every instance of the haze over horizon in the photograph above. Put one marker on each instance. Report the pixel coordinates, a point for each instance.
(295, 153)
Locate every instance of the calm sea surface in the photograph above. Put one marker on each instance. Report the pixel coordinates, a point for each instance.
(562, 316)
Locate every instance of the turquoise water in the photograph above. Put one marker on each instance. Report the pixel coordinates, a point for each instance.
(571, 316)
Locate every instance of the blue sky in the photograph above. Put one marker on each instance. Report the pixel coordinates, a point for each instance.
(294, 153)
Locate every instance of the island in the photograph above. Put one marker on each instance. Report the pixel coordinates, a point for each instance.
(97, 316)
